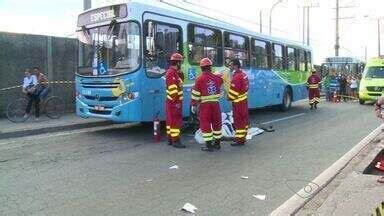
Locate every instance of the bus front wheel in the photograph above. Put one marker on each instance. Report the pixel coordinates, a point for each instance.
(362, 102)
(287, 100)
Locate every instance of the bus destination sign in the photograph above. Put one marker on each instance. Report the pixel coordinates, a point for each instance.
(102, 14)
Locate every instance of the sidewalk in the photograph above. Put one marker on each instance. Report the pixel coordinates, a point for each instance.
(45, 125)
(354, 191)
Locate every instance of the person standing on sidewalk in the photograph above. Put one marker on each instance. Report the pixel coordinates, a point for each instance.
(174, 101)
(206, 95)
(378, 111)
(237, 94)
(30, 89)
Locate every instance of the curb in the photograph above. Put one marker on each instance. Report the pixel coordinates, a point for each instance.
(56, 128)
(297, 201)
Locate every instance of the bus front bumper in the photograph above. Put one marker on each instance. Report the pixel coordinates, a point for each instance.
(119, 113)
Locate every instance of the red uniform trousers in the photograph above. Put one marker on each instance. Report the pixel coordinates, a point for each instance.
(210, 120)
(314, 95)
(241, 120)
(174, 119)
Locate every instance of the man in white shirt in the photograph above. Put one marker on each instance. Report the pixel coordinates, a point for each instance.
(30, 88)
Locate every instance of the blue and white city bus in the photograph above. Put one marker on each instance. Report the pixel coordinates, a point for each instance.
(124, 52)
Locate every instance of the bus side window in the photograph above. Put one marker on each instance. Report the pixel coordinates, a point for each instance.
(236, 47)
(277, 57)
(260, 54)
(162, 40)
(308, 60)
(204, 42)
(291, 58)
(302, 61)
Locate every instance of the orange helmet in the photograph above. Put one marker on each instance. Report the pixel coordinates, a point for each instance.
(205, 62)
(176, 57)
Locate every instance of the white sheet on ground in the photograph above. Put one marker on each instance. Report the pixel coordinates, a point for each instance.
(228, 130)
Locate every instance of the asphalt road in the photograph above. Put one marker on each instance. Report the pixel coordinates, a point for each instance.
(120, 171)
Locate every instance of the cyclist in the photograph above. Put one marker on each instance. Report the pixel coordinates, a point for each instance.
(30, 89)
(42, 81)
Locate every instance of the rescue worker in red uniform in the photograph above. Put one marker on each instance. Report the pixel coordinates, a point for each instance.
(174, 101)
(313, 89)
(206, 95)
(237, 94)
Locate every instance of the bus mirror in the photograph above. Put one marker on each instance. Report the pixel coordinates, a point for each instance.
(151, 39)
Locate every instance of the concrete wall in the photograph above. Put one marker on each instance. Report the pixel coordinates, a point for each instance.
(57, 57)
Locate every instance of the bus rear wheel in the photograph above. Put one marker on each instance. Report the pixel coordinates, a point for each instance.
(287, 100)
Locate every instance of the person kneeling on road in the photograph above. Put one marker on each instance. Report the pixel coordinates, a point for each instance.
(237, 94)
(206, 94)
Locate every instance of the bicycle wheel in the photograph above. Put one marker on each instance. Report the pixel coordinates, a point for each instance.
(54, 107)
(16, 110)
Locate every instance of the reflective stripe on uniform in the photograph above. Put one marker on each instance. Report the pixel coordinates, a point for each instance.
(168, 130)
(241, 133)
(173, 86)
(195, 98)
(175, 130)
(210, 98)
(313, 86)
(175, 134)
(231, 91)
(243, 97)
(172, 92)
(207, 136)
(195, 95)
(217, 134)
(195, 92)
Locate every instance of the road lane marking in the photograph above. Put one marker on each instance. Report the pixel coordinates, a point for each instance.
(285, 118)
(57, 134)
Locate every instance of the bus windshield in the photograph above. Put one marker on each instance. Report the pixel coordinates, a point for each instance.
(110, 49)
(375, 72)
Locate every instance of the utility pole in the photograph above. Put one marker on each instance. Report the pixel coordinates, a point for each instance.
(378, 37)
(304, 24)
(261, 22)
(365, 52)
(87, 4)
(308, 26)
(306, 10)
(270, 15)
(337, 45)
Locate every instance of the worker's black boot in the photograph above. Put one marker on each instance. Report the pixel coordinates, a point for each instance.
(169, 141)
(315, 105)
(177, 144)
(311, 106)
(217, 144)
(208, 147)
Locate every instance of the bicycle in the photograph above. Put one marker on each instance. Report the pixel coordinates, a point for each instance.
(52, 107)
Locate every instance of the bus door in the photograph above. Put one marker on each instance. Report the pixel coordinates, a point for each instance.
(162, 37)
